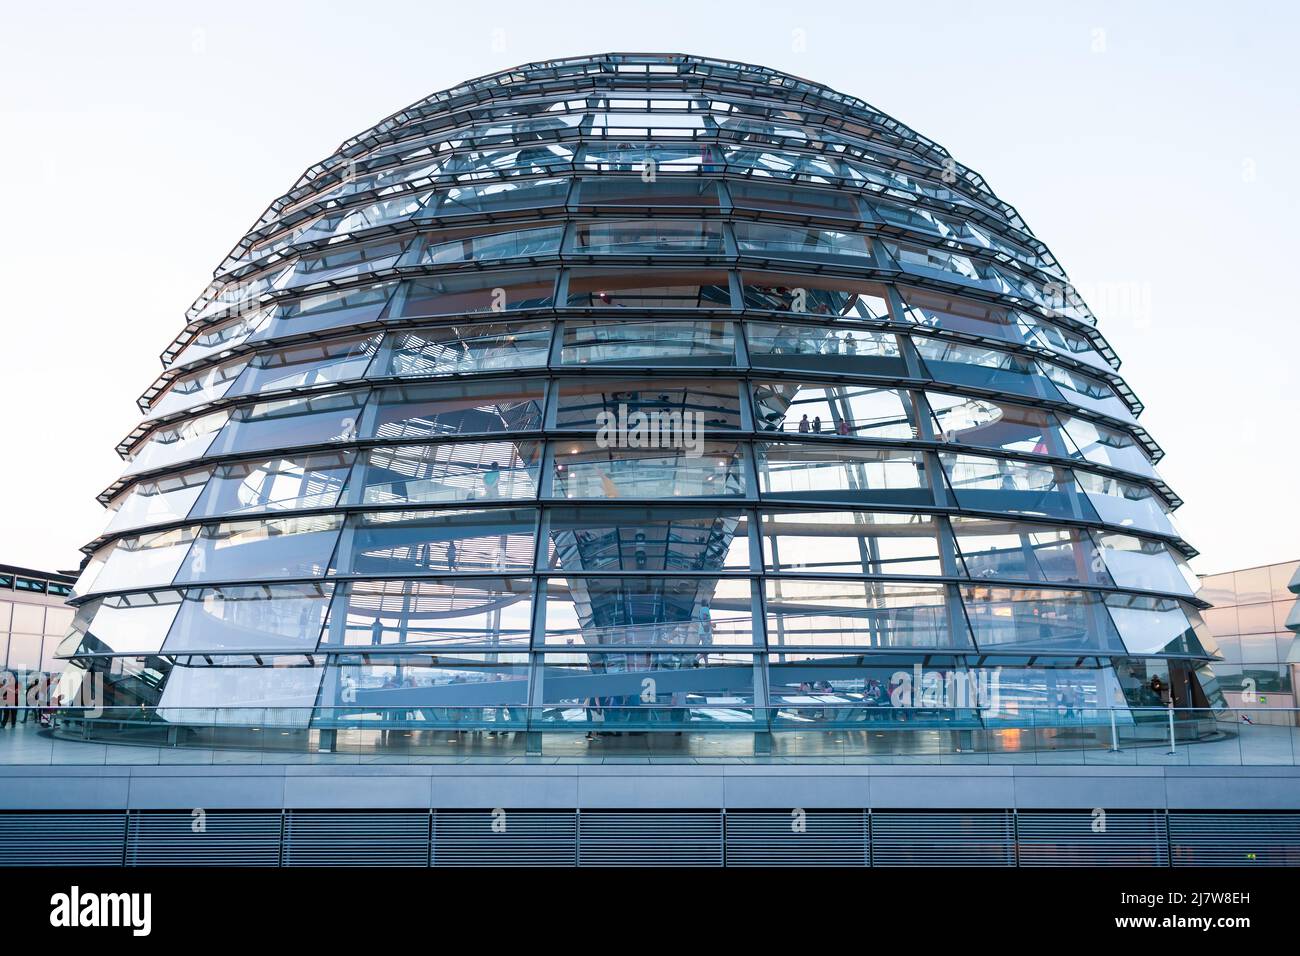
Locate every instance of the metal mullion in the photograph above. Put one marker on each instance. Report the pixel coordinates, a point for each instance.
(536, 652)
(745, 395)
(555, 348)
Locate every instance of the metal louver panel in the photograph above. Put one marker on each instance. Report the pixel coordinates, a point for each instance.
(1121, 838)
(370, 838)
(1235, 839)
(62, 839)
(780, 838)
(562, 838)
(227, 838)
(973, 838)
(635, 838)
(515, 838)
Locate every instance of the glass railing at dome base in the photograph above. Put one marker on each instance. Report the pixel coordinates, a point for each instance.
(817, 727)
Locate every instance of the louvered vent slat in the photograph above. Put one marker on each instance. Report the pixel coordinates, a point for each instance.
(1129, 838)
(649, 838)
(1235, 839)
(368, 838)
(521, 838)
(774, 838)
(228, 838)
(62, 839)
(972, 838)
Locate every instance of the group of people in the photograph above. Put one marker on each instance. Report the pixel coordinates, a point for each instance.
(783, 299)
(620, 710)
(10, 702)
(670, 472)
(842, 427)
(503, 719)
(814, 341)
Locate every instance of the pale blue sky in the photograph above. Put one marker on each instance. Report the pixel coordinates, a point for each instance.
(1152, 146)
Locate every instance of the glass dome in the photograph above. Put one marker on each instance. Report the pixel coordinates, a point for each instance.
(651, 392)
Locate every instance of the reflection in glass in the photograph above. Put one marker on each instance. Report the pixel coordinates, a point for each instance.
(217, 338)
(815, 296)
(456, 293)
(1145, 563)
(510, 161)
(1038, 331)
(637, 157)
(1125, 503)
(681, 289)
(586, 470)
(639, 611)
(822, 348)
(1054, 690)
(198, 388)
(648, 539)
(957, 314)
(799, 242)
(289, 422)
(944, 265)
(849, 411)
(989, 423)
(473, 348)
(649, 237)
(809, 689)
(777, 164)
(1109, 447)
(450, 471)
(337, 264)
(329, 310)
(171, 444)
(649, 343)
(364, 217)
(1005, 548)
(608, 691)
(866, 614)
(1039, 619)
(515, 244)
(825, 203)
(445, 691)
(634, 191)
(266, 617)
(228, 296)
(277, 484)
(138, 561)
(588, 404)
(817, 472)
(957, 363)
(851, 542)
(298, 547)
(1086, 391)
(448, 612)
(266, 696)
(1016, 487)
(159, 501)
(122, 624)
(460, 200)
(114, 681)
(458, 408)
(1154, 625)
(409, 542)
(307, 365)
